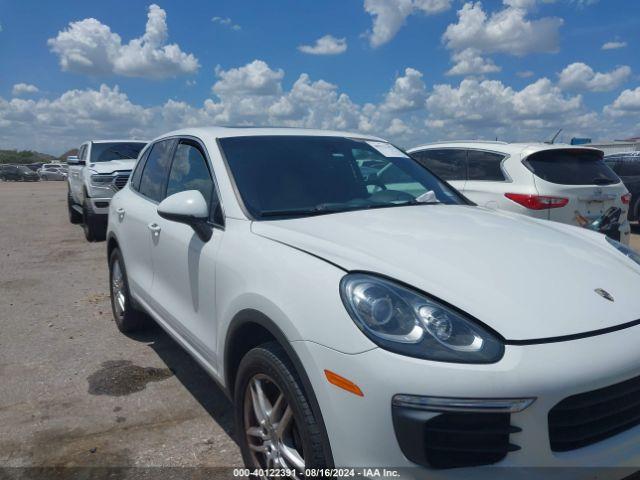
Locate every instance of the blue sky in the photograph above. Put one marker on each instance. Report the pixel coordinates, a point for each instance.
(518, 69)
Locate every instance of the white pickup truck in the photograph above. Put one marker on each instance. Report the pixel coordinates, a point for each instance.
(101, 168)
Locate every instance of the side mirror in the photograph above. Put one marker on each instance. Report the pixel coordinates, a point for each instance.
(188, 207)
(73, 160)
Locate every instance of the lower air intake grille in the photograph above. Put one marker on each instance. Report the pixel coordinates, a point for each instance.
(591, 417)
(121, 180)
(452, 440)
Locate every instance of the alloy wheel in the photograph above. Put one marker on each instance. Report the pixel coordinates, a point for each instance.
(270, 427)
(118, 294)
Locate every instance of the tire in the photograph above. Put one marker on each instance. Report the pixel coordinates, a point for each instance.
(269, 366)
(94, 228)
(74, 216)
(636, 211)
(127, 317)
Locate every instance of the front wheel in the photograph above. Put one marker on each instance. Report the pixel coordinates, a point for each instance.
(74, 216)
(276, 425)
(94, 229)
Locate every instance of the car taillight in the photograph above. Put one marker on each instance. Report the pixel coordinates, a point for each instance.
(626, 198)
(537, 202)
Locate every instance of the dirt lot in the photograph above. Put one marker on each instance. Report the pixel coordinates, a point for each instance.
(73, 390)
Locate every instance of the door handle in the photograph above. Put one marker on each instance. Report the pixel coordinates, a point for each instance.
(120, 212)
(155, 229)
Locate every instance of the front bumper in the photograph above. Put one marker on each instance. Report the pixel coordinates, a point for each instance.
(362, 432)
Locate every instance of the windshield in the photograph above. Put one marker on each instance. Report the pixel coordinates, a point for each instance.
(289, 176)
(571, 167)
(105, 152)
(25, 169)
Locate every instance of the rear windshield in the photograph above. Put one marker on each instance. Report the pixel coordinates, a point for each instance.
(571, 167)
(105, 152)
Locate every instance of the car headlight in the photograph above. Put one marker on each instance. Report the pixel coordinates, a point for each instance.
(403, 321)
(626, 251)
(101, 180)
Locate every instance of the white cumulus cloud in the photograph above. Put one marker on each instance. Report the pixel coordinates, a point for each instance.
(23, 88)
(627, 103)
(506, 31)
(255, 78)
(470, 62)
(581, 77)
(90, 47)
(407, 93)
(389, 16)
(226, 22)
(614, 45)
(408, 113)
(327, 45)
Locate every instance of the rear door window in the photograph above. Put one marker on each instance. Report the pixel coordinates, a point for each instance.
(156, 170)
(137, 172)
(571, 167)
(447, 163)
(485, 166)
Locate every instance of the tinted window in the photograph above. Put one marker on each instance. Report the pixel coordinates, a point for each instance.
(156, 170)
(484, 166)
(449, 164)
(628, 168)
(105, 152)
(189, 171)
(304, 175)
(137, 172)
(571, 167)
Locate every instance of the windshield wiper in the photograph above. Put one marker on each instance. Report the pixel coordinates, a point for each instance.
(317, 210)
(324, 209)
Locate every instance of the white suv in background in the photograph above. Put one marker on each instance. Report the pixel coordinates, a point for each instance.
(101, 168)
(360, 312)
(562, 183)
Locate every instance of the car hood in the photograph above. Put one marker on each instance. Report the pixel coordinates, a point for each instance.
(527, 279)
(113, 166)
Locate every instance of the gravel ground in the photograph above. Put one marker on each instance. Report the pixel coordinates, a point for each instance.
(75, 392)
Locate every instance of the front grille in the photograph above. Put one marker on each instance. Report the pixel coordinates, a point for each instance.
(454, 440)
(591, 417)
(120, 180)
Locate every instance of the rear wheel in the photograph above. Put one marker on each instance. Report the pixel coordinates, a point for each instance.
(127, 317)
(74, 216)
(276, 425)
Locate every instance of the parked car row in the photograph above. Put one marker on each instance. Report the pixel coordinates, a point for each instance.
(53, 171)
(360, 310)
(17, 173)
(28, 173)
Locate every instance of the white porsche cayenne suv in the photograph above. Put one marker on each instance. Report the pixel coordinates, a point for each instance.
(562, 183)
(361, 312)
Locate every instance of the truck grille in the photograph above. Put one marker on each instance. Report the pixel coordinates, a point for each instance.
(121, 180)
(591, 417)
